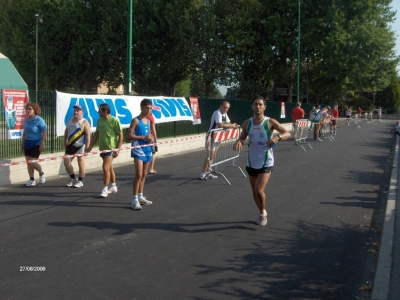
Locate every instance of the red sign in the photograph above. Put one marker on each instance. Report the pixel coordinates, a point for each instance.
(194, 105)
(15, 114)
(283, 113)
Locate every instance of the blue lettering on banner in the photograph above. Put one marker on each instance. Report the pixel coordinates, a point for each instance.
(90, 106)
(170, 107)
(124, 114)
(16, 133)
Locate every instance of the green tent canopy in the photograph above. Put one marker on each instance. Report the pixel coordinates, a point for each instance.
(9, 76)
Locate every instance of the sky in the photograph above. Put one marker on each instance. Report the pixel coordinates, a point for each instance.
(395, 26)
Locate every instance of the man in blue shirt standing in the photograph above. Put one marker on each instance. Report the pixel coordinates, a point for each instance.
(140, 134)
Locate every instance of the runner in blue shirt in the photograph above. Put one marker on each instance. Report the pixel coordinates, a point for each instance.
(140, 133)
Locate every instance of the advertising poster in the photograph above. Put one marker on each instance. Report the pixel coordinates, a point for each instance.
(194, 104)
(14, 111)
(125, 108)
(283, 113)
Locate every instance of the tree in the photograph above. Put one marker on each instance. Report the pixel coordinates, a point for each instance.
(79, 42)
(390, 96)
(356, 51)
(163, 42)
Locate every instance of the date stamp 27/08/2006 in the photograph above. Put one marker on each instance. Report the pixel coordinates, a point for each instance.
(32, 269)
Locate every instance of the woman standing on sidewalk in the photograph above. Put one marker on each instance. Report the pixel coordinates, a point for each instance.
(33, 139)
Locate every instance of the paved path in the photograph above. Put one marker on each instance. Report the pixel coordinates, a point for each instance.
(199, 239)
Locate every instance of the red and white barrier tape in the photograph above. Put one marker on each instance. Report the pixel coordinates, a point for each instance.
(97, 152)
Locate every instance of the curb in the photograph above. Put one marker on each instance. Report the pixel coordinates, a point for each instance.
(380, 290)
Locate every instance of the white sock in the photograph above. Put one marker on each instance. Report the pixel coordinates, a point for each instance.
(105, 188)
(140, 195)
(113, 184)
(134, 199)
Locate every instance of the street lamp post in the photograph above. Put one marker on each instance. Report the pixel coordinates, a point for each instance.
(38, 20)
(128, 74)
(298, 59)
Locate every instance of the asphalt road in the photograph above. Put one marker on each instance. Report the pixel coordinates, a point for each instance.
(199, 239)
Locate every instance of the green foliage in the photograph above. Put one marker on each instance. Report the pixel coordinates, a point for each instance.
(183, 88)
(163, 41)
(346, 46)
(390, 96)
(360, 101)
(79, 42)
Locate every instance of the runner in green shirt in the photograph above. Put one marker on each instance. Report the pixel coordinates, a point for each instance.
(109, 134)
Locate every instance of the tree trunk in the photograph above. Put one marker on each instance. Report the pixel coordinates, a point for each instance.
(290, 92)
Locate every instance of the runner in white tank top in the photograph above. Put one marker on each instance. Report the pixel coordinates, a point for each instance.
(259, 155)
(260, 160)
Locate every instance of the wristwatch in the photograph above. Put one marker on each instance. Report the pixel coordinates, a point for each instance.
(279, 137)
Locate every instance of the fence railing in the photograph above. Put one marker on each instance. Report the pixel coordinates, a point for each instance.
(240, 110)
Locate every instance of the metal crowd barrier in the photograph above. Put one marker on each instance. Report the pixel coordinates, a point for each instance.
(223, 141)
(301, 133)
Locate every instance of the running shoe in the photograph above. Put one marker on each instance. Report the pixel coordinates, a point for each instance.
(203, 176)
(113, 189)
(30, 182)
(136, 206)
(42, 179)
(72, 182)
(211, 176)
(104, 193)
(144, 201)
(320, 140)
(262, 219)
(78, 184)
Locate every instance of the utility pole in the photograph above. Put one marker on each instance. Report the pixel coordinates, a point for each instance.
(128, 75)
(298, 60)
(38, 19)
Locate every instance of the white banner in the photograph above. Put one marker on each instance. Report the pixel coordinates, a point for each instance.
(125, 108)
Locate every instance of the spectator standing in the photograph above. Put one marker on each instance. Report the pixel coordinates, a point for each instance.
(348, 115)
(33, 141)
(109, 134)
(334, 116)
(371, 114)
(219, 119)
(396, 130)
(297, 113)
(379, 113)
(316, 120)
(359, 112)
(76, 139)
(322, 115)
(310, 115)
